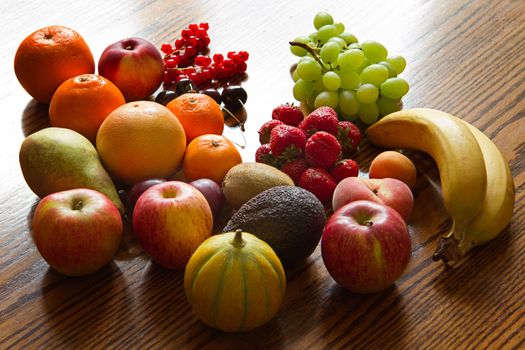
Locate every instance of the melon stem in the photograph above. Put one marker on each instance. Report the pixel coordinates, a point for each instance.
(237, 241)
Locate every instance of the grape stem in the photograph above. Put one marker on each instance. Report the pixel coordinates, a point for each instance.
(310, 51)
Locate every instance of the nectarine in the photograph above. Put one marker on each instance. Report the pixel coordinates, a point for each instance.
(394, 165)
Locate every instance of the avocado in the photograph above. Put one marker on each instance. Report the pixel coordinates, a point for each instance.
(247, 180)
(290, 219)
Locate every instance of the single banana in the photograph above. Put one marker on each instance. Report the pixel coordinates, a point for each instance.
(453, 147)
(498, 205)
(496, 210)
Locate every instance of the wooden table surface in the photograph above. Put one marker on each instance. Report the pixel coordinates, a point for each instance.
(464, 57)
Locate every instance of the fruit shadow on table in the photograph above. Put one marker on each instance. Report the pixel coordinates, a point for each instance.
(495, 260)
(163, 288)
(34, 117)
(363, 315)
(82, 307)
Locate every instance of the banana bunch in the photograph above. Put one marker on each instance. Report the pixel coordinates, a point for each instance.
(476, 182)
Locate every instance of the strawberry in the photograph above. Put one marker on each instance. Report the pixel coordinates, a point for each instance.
(287, 142)
(349, 137)
(345, 168)
(294, 168)
(266, 129)
(321, 119)
(264, 155)
(322, 150)
(319, 182)
(288, 114)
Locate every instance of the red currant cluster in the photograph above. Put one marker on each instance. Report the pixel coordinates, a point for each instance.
(194, 40)
(189, 59)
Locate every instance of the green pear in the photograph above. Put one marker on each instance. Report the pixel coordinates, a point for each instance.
(58, 159)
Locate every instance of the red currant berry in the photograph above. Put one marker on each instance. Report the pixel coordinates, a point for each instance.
(243, 55)
(186, 33)
(205, 40)
(193, 27)
(228, 63)
(218, 58)
(199, 60)
(241, 67)
(204, 26)
(166, 48)
(190, 51)
(179, 43)
(183, 60)
(191, 41)
(167, 79)
(171, 62)
(201, 33)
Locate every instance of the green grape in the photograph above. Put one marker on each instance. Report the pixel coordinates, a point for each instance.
(350, 80)
(338, 41)
(295, 75)
(355, 45)
(374, 74)
(340, 27)
(348, 37)
(374, 51)
(367, 93)
(392, 73)
(387, 105)
(326, 32)
(302, 89)
(398, 62)
(331, 81)
(348, 103)
(299, 51)
(394, 88)
(318, 85)
(329, 52)
(368, 113)
(308, 70)
(306, 58)
(326, 98)
(313, 37)
(322, 18)
(363, 65)
(350, 59)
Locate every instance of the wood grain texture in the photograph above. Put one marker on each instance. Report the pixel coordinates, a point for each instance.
(464, 57)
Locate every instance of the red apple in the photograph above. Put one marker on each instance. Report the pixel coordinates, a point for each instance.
(212, 191)
(391, 192)
(134, 65)
(77, 231)
(171, 220)
(365, 246)
(140, 187)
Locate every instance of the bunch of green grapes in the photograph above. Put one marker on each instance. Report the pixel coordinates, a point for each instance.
(359, 80)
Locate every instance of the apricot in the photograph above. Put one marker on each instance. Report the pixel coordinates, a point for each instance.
(394, 165)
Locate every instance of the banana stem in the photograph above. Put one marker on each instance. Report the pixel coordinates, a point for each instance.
(447, 248)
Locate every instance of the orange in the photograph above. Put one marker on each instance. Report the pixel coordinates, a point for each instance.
(83, 102)
(139, 141)
(210, 156)
(199, 114)
(50, 56)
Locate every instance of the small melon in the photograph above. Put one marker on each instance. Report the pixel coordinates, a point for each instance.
(234, 282)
